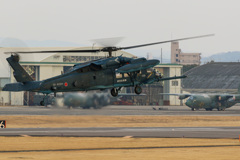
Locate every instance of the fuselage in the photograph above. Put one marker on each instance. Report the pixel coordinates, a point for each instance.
(93, 77)
(94, 80)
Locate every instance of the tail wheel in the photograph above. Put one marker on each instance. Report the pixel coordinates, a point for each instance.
(138, 90)
(114, 92)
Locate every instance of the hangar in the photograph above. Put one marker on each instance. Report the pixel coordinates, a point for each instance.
(43, 66)
(213, 77)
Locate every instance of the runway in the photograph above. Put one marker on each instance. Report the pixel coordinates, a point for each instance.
(118, 110)
(144, 132)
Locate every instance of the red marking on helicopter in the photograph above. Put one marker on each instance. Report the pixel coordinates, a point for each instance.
(65, 84)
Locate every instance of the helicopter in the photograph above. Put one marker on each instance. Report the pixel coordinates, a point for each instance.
(105, 73)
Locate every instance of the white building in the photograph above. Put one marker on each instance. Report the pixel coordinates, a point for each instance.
(171, 86)
(178, 57)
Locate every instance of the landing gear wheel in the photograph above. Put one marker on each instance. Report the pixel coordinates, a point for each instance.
(138, 90)
(42, 103)
(114, 92)
(221, 109)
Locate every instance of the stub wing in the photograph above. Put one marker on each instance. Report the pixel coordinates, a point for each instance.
(175, 77)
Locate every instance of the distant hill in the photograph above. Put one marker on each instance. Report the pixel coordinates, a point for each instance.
(233, 56)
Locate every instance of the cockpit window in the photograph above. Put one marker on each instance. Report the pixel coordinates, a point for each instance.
(125, 75)
(150, 70)
(119, 75)
(158, 73)
(191, 97)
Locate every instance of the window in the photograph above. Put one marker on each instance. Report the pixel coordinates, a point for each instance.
(4, 81)
(118, 75)
(149, 70)
(174, 83)
(125, 75)
(176, 55)
(176, 60)
(67, 69)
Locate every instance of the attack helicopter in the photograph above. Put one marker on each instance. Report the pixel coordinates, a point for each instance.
(106, 73)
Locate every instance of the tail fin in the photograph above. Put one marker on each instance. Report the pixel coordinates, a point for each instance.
(19, 73)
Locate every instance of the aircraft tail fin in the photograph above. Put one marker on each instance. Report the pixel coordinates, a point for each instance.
(19, 73)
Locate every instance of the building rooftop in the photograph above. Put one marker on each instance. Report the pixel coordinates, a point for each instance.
(220, 75)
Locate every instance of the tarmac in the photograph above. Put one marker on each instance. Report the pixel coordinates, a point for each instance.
(163, 132)
(118, 110)
(138, 132)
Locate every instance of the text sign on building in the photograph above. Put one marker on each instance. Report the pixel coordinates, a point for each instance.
(2, 124)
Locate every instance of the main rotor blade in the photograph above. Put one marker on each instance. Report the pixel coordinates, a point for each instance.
(149, 44)
(108, 49)
(54, 51)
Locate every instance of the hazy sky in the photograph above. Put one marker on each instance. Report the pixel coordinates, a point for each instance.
(139, 21)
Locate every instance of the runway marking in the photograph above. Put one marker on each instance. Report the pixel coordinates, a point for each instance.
(123, 148)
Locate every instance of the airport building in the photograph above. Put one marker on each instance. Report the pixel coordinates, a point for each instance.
(43, 66)
(178, 57)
